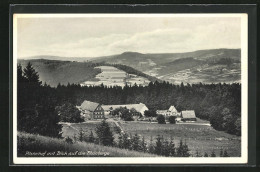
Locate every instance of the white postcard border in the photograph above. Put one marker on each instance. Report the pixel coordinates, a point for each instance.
(141, 160)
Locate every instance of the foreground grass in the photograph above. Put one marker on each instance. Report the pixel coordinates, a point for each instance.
(36, 143)
(198, 137)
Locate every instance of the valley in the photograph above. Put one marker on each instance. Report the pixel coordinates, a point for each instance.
(111, 76)
(205, 66)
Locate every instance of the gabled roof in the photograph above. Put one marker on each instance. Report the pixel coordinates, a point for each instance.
(172, 109)
(188, 114)
(88, 105)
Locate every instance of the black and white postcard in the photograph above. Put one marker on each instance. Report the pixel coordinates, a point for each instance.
(130, 88)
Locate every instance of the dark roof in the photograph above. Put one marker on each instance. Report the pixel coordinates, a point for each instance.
(88, 105)
(188, 114)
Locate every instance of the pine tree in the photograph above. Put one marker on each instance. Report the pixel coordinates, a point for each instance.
(81, 135)
(91, 137)
(143, 145)
(197, 153)
(158, 146)
(20, 77)
(221, 152)
(69, 113)
(47, 119)
(225, 154)
(213, 153)
(206, 154)
(186, 150)
(180, 149)
(120, 141)
(104, 134)
(165, 148)
(151, 146)
(172, 147)
(31, 75)
(135, 142)
(75, 137)
(69, 140)
(126, 141)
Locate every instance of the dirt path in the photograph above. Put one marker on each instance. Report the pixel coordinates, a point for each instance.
(117, 124)
(207, 124)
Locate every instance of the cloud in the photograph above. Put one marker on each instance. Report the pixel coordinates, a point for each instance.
(184, 38)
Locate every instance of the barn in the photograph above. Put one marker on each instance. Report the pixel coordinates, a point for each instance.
(138, 107)
(188, 115)
(91, 110)
(165, 113)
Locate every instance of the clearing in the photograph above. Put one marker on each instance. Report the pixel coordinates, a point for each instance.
(198, 137)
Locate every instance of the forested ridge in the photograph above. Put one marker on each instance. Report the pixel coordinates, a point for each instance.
(218, 103)
(54, 72)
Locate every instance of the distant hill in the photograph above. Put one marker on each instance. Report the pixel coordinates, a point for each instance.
(54, 72)
(48, 57)
(206, 66)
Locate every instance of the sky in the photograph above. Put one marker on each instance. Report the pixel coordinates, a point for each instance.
(104, 36)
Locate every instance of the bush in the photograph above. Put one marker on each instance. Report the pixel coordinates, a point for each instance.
(150, 113)
(38, 143)
(69, 140)
(69, 113)
(161, 119)
(104, 134)
(172, 119)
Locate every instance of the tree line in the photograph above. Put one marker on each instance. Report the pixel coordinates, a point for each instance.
(161, 146)
(218, 103)
(40, 106)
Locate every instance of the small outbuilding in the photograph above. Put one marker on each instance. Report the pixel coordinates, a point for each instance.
(188, 115)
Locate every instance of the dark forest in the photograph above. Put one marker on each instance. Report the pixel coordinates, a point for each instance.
(218, 103)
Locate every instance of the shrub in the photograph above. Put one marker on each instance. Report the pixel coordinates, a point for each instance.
(183, 150)
(161, 119)
(172, 119)
(213, 154)
(150, 113)
(69, 140)
(104, 134)
(38, 143)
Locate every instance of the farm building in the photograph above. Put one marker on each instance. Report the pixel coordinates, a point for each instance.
(172, 109)
(138, 107)
(91, 110)
(163, 112)
(188, 115)
(170, 112)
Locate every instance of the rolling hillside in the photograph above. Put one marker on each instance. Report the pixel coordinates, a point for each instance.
(37, 143)
(206, 66)
(54, 72)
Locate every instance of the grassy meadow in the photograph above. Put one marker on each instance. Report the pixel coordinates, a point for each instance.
(36, 143)
(198, 137)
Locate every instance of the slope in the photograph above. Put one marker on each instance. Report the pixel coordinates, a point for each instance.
(37, 143)
(54, 72)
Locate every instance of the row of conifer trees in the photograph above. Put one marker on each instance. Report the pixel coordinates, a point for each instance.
(161, 146)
